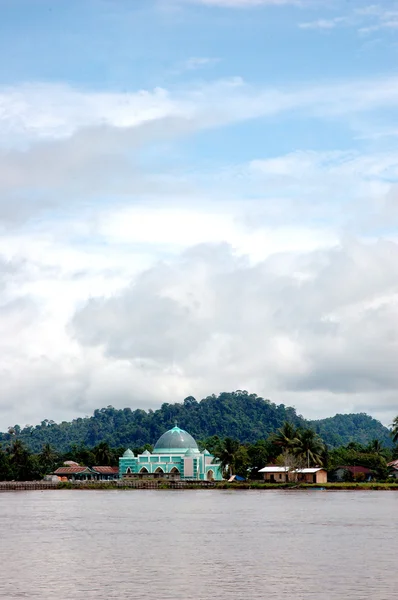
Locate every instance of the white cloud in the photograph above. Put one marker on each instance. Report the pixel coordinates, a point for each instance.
(323, 23)
(210, 317)
(76, 154)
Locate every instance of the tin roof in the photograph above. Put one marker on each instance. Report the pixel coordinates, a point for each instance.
(72, 470)
(393, 464)
(354, 469)
(106, 470)
(274, 469)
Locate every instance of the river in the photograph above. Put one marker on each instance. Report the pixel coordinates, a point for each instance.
(204, 544)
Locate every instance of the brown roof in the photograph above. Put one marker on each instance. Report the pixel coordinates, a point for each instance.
(71, 470)
(106, 470)
(355, 469)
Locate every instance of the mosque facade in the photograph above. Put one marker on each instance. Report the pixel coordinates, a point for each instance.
(175, 456)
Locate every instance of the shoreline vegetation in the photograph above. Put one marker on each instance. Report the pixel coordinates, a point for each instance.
(185, 485)
(290, 448)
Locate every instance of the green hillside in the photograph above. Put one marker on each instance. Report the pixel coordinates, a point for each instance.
(239, 415)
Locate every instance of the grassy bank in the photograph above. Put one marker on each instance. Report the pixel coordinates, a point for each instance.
(167, 485)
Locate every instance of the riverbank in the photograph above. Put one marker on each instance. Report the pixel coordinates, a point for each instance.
(181, 485)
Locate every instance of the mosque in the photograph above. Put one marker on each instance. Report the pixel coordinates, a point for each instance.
(176, 456)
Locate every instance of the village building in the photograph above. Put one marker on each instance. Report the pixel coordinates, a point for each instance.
(74, 473)
(275, 474)
(393, 469)
(106, 473)
(352, 472)
(175, 456)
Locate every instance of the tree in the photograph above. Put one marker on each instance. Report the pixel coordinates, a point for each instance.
(102, 454)
(286, 437)
(226, 454)
(47, 459)
(375, 447)
(21, 463)
(394, 430)
(241, 461)
(291, 462)
(309, 447)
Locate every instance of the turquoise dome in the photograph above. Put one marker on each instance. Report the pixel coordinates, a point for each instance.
(175, 440)
(128, 454)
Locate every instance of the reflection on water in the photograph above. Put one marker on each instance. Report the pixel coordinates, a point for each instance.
(203, 544)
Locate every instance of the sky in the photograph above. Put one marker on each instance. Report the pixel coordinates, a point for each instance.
(198, 196)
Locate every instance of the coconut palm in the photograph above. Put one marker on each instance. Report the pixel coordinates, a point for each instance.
(375, 447)
(394, 430)
(309, 447)
(225, 455)
(286, 437)
(103, 454)
(48, 457)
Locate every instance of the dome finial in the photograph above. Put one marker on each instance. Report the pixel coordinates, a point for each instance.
(175, 423)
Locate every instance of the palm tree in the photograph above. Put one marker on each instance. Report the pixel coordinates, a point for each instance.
(20, 460)
(286, 437)
(48, 458)
(309, 447)
(375, 447)
(225, 454)
(394, 430)
(103, 454)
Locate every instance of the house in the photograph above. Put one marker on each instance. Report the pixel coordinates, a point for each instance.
(75, 473)
(275, 474)
(106, 473)
(349, 472)
(393, 469)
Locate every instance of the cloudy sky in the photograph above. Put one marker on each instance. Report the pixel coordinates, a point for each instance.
(198, 196)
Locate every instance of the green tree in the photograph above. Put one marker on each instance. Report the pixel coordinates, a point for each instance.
(226, 454)
(241, 461)
(102, 454)
(309, 447)
(286, 437)
(48, 459)
(20, 461)
(394, 430)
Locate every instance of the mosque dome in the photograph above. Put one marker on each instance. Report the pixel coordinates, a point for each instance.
(175, 440)
(128, 454)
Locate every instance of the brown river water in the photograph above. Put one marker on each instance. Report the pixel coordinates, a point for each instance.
(204, 544)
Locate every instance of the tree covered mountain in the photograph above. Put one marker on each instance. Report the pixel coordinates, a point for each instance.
(342, 429)
(238, 415)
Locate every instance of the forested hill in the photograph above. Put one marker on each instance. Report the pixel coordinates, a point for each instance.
(239, 415)
(359, 427)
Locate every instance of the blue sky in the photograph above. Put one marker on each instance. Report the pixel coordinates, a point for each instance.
(197, 196)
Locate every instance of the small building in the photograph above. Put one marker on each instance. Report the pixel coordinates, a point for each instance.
(176, 456)
(106, 473)
(75, 473)
(275, 474)
(393, 469)
(352, 472)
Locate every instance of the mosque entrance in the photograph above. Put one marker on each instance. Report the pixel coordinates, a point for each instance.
(144, 470)
(210, 475)
(174, 472)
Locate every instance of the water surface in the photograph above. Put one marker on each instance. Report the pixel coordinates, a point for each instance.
(204, 544)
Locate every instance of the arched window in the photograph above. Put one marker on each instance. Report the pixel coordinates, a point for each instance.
(144, 470)
(174, 471)
(128, 471)
(159, 470)
(210, 475)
